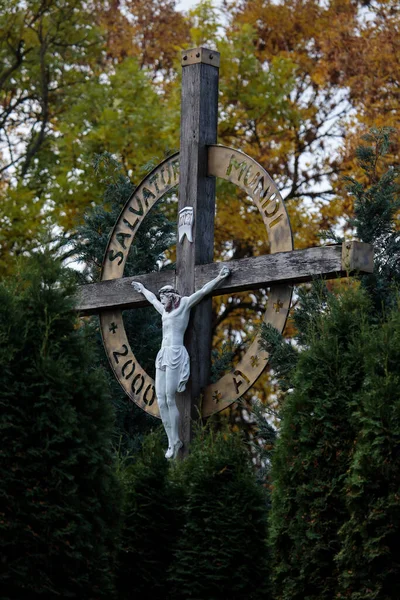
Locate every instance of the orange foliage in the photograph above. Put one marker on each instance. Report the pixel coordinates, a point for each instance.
(151, 31)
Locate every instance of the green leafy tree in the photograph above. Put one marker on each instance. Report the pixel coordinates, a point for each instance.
(60, 508)
(64, 98)
(48, 56)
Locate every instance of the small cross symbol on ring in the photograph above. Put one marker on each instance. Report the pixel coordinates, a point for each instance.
(113, 327)
(217, 396)
(254, 361)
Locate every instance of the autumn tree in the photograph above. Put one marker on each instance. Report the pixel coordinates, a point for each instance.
(292, 98)
(47, 51)
(153, 32)
(64, 97)
(345, 79)
(299, 81)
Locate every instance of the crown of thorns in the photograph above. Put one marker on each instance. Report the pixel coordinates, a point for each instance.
(168, 289)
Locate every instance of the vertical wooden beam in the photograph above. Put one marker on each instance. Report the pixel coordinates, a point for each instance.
(199, 115)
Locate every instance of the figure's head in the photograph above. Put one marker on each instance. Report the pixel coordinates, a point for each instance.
(169, 297)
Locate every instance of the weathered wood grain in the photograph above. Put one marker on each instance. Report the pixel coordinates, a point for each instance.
(199, 117)
(119, 293)
(247, 273)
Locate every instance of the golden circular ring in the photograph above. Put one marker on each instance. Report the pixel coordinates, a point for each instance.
(238, 168)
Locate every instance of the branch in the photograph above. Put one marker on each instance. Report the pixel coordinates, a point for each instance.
(230, 308)
(20, 55)
(309, 194)
(35, 144)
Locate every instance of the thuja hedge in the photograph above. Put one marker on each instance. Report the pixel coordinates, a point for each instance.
(313, 453)
(334, 522)
(221, 550)
(335, 517)
(150, 524)
(194, 529)
(369, 559)
(60, 507)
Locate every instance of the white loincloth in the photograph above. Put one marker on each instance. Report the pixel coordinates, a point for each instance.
(175, 357)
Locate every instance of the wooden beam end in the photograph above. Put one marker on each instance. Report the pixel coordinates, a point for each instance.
(357, 257)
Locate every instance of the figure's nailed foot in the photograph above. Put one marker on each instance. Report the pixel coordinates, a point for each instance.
(177, 446)
(172, 451)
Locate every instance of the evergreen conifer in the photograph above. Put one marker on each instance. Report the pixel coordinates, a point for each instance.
(143, 326)
(333, 508)
(150, 527)
(312, 454)
(369, 559)
(221, 549)
(60, 508)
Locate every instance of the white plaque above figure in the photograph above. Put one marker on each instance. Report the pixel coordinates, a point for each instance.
(185, 223)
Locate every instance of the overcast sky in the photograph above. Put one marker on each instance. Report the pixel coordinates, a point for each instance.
(185, 5)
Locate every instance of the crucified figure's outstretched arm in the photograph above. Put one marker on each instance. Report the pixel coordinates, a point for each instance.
(139, 287)
(208, 287)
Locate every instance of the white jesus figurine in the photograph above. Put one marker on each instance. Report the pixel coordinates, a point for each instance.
(172, 362)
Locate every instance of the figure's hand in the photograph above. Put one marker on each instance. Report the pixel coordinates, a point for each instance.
(138, 287)
(224, 272)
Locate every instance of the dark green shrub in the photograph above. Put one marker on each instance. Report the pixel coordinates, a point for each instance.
(313, 453)
(60, 506)
(150, 528)
(221, 549)
(369, 559)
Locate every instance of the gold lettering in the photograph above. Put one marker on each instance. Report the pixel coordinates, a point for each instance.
(272, 212)
(259, 188)
(141, 384)
(130, 225)
(267, 199)
(112, 256)
(153, 179)
(239, 166)
(247, 176)
(237, 383)
(175, 169)
(128, 362)
(124, 353)
(169, 175)
(147, 194)
(121, 238)
(153, 395)
(276, 221)
(139, 209)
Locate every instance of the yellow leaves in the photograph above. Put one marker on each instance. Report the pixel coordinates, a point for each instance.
(205, 22)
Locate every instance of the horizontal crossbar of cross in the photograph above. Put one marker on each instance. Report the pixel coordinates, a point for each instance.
(297, 266)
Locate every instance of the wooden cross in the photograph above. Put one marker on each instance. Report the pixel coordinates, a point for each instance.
(199, 160)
